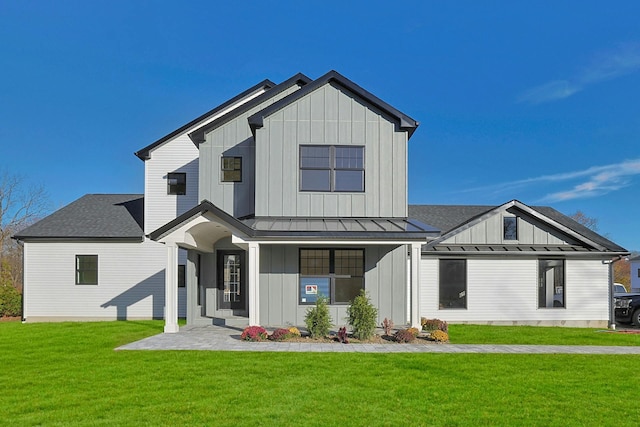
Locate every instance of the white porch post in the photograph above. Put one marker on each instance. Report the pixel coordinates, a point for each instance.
(171, 290)
(254, 284)
(416, 250)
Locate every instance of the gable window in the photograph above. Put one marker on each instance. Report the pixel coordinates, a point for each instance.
(231, 169)
(510, 228)
(551, 283)
(337, 274)
(332, 168)
(86, 269)
(177, 183)
(453, 283)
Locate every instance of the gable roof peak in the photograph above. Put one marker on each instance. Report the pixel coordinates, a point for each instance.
(405, 122)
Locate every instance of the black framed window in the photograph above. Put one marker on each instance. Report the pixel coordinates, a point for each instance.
(551, 283)
(231, 169)
(337, 274)
(332, 168)
(453, 283)
(510, 228)
(177, 183)
(86, 269)
(182, 275)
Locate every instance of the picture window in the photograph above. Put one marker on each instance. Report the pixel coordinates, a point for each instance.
(337, 274)
(453, 283)
(332, 168)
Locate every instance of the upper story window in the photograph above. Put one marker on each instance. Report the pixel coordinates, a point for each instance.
(510, 228)
(231, 169)
(332, 168)
(177, 183)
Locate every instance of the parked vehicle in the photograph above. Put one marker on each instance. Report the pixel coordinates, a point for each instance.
(627, 308)
(618, 288)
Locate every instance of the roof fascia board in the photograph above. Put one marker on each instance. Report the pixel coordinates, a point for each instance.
(144, 153)
(67, 239)
(197, 135)
(528, 254)
(405, 122)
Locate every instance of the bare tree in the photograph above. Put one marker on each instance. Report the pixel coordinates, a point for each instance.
(581, 218)
(20, 205)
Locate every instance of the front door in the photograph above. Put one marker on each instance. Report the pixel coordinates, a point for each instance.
(231, 283)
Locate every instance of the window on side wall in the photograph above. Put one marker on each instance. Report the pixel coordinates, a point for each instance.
(510, 228)
(332, 168)
(182, 275)
(86, 269)
(231, 169)
(453, 283)
(551, 283)
(177, 183)
(337, 274)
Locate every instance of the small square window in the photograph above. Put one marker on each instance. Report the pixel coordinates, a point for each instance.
(86, 269)
(231, 169)
(177, 183)
(510, 228)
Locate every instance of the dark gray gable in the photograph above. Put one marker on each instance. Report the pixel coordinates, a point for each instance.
(93, 216)
(198, 135)
(333, 77)
(143, 153)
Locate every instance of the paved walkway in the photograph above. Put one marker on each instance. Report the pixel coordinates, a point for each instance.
(219, 338)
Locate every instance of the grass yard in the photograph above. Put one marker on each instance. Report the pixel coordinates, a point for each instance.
(68, 374)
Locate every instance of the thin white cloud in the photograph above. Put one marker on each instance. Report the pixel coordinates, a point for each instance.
(609, 65)
(592, 182)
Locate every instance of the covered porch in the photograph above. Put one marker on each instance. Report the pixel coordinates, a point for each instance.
(247, 270)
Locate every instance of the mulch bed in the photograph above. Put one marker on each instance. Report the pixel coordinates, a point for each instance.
(10, 319)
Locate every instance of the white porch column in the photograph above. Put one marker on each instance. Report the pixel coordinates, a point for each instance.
(254, 284)
(171, 290)
(416, 250)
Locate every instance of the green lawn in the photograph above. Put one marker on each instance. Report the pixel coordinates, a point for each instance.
(68, 374)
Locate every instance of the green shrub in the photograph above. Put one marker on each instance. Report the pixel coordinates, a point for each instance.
(10, 301)
(317, 319)
(362, 316)
(404, 336)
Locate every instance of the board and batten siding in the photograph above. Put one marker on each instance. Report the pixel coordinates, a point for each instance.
(176, 155)
(505, 291)
(330, 116)
(233, 139)
(130, 282)
(385, 283)
(489, 231)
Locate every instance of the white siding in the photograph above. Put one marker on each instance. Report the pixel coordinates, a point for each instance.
(505, 291)
(130, 281)
(176, 155)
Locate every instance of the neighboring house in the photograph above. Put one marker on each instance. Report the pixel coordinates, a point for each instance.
(635, 273)
(295, 190)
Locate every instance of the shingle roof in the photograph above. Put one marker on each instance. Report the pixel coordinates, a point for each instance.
(93, 216)
(450, 217)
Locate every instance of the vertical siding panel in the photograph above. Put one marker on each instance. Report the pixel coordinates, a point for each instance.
(289, 169)
(276, 173)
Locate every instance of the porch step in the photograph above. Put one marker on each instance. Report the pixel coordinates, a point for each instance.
(231, 321)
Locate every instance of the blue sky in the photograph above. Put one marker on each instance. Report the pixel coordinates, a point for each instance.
(535, 101)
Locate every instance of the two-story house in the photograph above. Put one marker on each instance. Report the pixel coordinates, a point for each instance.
(294, 190)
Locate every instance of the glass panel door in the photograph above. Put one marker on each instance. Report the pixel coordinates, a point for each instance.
(231, 280)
